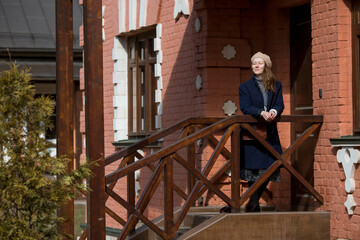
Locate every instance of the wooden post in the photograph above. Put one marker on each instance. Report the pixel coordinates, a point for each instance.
(235, 167)
(191, 159)
(65, 98)
(94, 114)
(131, 189)
(168, 196)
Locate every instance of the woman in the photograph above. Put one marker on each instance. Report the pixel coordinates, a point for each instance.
(261, 97)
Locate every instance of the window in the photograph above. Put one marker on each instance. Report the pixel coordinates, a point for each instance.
(356, 64)
(142, 85)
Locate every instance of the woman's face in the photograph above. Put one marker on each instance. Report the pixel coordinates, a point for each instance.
(258, 66)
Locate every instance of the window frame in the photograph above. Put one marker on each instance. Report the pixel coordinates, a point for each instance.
(146, 108)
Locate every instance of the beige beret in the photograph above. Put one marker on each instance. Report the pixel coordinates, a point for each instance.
(265, 57)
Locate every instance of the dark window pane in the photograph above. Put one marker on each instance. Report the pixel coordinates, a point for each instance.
(151, 47)
(142, 85)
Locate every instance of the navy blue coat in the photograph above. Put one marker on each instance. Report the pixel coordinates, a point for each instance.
(253, 154)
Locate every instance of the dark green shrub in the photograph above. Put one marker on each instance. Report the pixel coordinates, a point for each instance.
(30, 194)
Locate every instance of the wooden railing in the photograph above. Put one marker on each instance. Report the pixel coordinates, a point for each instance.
(199, 181)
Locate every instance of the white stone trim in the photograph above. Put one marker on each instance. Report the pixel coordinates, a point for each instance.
(122, 15)
(181, 6)
(159, 83)
(132, 14)
(158, 92)
(120, 98)
(157, 70)
(159, 30)
(159, 56)
(157, 44)
(143, 13)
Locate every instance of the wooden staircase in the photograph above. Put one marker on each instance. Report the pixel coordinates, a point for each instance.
(263, 226)
(219, 134)
(207, 223)
(193, 218)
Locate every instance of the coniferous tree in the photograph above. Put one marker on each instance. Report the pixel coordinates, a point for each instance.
(33, 185)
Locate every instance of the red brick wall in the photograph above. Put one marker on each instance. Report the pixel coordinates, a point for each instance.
(331, 24)
(179, 91)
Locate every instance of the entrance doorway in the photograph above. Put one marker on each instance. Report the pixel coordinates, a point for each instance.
(301, 102)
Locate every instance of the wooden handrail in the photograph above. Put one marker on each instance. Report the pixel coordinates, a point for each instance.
(204, 121)
(157, 136)
(193, 130)
(168, 150)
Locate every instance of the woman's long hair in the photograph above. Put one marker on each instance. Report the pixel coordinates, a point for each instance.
(269, 79)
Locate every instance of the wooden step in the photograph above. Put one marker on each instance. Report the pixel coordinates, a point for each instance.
(264, 225)
(194, 217)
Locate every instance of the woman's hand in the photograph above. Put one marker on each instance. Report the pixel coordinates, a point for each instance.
(268, 116)
(273, 114)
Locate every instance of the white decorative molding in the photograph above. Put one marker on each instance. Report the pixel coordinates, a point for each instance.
(181, 6)
(158, 76)
(157, 70)
(198, 82)
(198, 24)
(350, 204)
(159, 56)
(159, 30)
(229, 108)
(132, 14)
(229, 52)
(143, 13)
(122, 15)
(120, 98)
(349, 157)
(157, 44)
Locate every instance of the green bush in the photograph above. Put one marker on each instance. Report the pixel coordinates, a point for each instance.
(33, 185)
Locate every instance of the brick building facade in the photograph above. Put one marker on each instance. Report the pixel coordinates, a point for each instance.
(196, 53)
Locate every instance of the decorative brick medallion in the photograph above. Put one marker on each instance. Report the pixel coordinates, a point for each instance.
(229, 108)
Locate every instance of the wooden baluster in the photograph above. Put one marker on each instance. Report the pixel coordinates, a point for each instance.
(191, 159)
(168, 197)
(131, 189)
(235, 167)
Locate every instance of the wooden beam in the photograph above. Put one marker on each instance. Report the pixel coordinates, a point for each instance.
(290, 3)
(169, 197)
(94, 115)
(191, 159)
(65, 99)
(235, 167)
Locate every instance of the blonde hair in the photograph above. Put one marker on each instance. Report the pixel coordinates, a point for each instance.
(269, 79)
